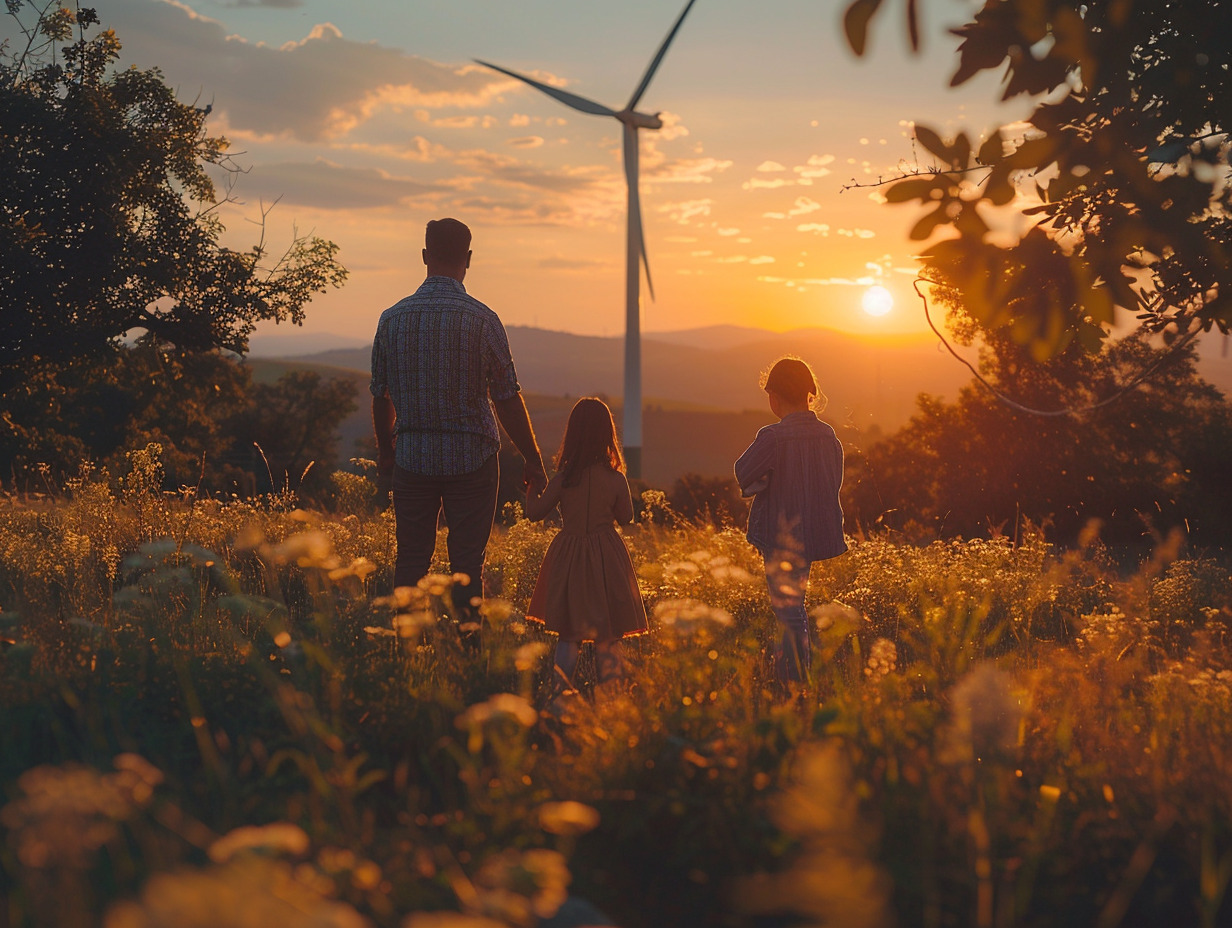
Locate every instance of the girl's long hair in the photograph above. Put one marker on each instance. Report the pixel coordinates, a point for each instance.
(590, 438)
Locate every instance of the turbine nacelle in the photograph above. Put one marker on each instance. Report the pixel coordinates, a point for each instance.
(637, 120)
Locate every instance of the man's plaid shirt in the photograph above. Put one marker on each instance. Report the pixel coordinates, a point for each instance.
(440, 354)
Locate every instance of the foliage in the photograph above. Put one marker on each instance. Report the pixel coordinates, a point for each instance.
(109, 232)
(220, 722)
(712, 499)
(216, 428)
(977, 466)
(1121, 170)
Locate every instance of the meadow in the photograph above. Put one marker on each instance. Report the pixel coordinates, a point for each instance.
(214, 712)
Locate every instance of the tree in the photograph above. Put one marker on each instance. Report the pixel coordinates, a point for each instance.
(110, 238)
(979, 466)
(1123, 167)
(292, 425)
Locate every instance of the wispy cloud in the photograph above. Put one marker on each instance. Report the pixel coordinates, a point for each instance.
(325, 185)
(320, 87)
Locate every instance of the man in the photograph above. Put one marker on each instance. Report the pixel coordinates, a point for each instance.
(438, 357)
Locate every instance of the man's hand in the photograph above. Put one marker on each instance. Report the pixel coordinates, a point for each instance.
(516, 421)
(534, 477)
(383, 419)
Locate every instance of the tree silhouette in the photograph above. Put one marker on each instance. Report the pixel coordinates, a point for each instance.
(1123, 167)
(110, 238)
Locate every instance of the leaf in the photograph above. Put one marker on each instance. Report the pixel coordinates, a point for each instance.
(855, 23)
(913, 25)
(931, 141)
(926, 226)
(999, 190)
(913, 189)
(992, 150)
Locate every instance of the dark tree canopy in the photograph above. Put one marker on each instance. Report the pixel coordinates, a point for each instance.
(108, 223)
(1139, 468)
(1124, 165)
(116, 294)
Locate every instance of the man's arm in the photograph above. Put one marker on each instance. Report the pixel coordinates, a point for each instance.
(383, 418)
(516, 421)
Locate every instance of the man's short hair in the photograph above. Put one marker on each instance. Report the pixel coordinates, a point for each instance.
(447, 241)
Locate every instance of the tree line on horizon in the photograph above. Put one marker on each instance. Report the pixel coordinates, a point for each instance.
(124, 316)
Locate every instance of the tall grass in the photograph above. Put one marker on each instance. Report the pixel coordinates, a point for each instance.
(217, 712)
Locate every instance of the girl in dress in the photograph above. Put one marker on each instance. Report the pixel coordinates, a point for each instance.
(587, 589)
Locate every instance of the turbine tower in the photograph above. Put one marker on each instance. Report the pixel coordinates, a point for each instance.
(635, 243)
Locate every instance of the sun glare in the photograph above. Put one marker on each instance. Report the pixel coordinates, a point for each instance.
(877, 301)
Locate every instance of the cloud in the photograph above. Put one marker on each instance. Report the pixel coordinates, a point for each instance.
(684, 170)
(857, 233)
(803, 207)
(773, 183)
(558, 263)
(320, 87)
(326, 185)
(526, 141)
(821, 228)
(815, 166)
(802, 282)
(464, 122)
(683, 212)
(275, 4)
(767, 166)
(728, 232)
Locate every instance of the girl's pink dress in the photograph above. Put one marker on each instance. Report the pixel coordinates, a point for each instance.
(587, 587)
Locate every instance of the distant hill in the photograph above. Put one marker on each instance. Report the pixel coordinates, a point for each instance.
(868, 381)
(702, 401)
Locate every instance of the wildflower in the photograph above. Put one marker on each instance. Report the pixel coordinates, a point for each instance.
(567, 818)
(686, 616)
(529, 655)
(437, 584)
(496, 610)
(834, 877)
(502, 705)
(522, 886)
(836, 617)
(64, 814)
(277, 838)
(410, 624)
(359, 568)
(449, 920)
(247, 893)
(986, 715)
(403, 598)
(882, 659)
(681, 570)
(312, 548)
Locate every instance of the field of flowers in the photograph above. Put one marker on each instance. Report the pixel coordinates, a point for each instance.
(216, 713)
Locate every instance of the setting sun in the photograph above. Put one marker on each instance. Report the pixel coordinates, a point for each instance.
(877, 301)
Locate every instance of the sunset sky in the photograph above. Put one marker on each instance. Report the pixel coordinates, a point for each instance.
(367, 119)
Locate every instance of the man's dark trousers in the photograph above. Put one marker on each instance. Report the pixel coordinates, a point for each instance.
(469, 501)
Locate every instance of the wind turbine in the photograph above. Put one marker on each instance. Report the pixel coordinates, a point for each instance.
(635, 248)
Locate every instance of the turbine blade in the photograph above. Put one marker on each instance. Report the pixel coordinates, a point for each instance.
(635, 201)
(569, 99)
(654, 65)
